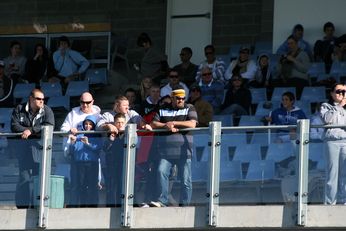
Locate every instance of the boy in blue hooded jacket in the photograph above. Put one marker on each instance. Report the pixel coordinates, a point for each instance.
(85, 150)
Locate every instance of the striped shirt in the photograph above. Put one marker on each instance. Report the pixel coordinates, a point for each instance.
(175, 145)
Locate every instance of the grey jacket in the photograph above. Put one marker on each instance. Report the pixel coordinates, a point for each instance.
(334, 114)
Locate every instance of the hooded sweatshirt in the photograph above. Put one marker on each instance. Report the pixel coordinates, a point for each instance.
(87, 152)
(334, 114)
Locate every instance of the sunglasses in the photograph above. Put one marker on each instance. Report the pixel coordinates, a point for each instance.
(340, 92)
(39, 99)
(180, 98)
(85, 102)
(174, 76)
(235, 79)
(208, 53)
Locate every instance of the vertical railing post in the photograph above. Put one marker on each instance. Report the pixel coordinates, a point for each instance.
(214, 173)
(45, 169)
(129, 174)
(303, 162)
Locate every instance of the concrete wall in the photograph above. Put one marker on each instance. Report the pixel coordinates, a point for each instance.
(234, 20)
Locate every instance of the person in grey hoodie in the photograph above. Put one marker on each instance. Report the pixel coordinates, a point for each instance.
(334, 113)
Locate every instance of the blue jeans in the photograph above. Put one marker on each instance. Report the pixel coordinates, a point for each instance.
(184, 172)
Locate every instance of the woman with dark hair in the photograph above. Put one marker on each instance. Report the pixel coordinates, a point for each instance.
(36, 67)
(334, 113)
(287, 114)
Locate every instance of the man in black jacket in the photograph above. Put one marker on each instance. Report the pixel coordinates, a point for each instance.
(28, 119)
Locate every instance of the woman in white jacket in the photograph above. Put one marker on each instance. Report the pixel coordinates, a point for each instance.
(333, 113)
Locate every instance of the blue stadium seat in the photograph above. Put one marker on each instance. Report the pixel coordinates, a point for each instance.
(201, 149)
(199, 171)
(316, 153)
(247, 153)
(338, 68)
(226, 120)
(225, 58)
(279, 151)
(278, 91)
(263, 47)
(5, 118)
(22, 90)
(51, 89)
(262, 138)
(97, 76)
(261, 170)
(230, 171)
(305, 106)
(76, 88)
(314, 94)
(246, 120)
(59, 101)
(316, 68)
(258, 95)
(263, 108)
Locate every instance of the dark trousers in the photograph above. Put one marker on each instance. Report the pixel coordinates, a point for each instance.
(84, 189)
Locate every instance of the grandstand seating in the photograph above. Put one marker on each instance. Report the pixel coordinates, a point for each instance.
(59, 101)
(77, 88)
(97, 76)
(305, 106)
(279, 151)
(51, 89)
(22, 90)
(278, 91)
(338, 68)
(230, 171)
(5, 118)
(261, 170)
(247, 153)
(226, 120)
(263, 47)
(258, 95)
(198, 169)
(246, 120)
(314, 94)
(263, 108)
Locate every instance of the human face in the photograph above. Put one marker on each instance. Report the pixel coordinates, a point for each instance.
(122, 106)
(264, 61)
(298, 34)
(39, 50)
(155, 93)
(178, 101)
(120, 124)
(88, 125)
(329, 32)
(244, 55)
(184, 56)
(210, 55)
(292, 45)
(86, 103)
(15, 50)
(287, 103)
(236, 81)
(194, 94)
(131, 96)
(339, 93)
(207, 76)
(173, 78)
(146, 82)
(63, 45)
(36, 101)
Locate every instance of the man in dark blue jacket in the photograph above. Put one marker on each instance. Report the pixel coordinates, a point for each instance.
(28, 119)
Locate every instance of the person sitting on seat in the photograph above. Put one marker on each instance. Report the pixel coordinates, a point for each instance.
(69, 64)
(15, 63)
(297, 34)
(324, 48)
(287, 114)
(186, 69)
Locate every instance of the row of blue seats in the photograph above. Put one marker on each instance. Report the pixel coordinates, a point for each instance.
(53, 91)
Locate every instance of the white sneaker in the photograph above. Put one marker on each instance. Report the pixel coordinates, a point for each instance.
(157, 204)
(144, 205)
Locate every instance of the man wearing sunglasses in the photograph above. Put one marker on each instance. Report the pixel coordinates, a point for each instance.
(28, 119)
(174, 147)
(173, 82)
(74, 119)
(216, 66)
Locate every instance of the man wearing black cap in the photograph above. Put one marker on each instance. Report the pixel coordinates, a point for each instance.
(174, 147)
(68, 63)
(6, 88)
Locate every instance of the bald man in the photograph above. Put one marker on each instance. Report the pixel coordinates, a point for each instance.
(74, 119)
